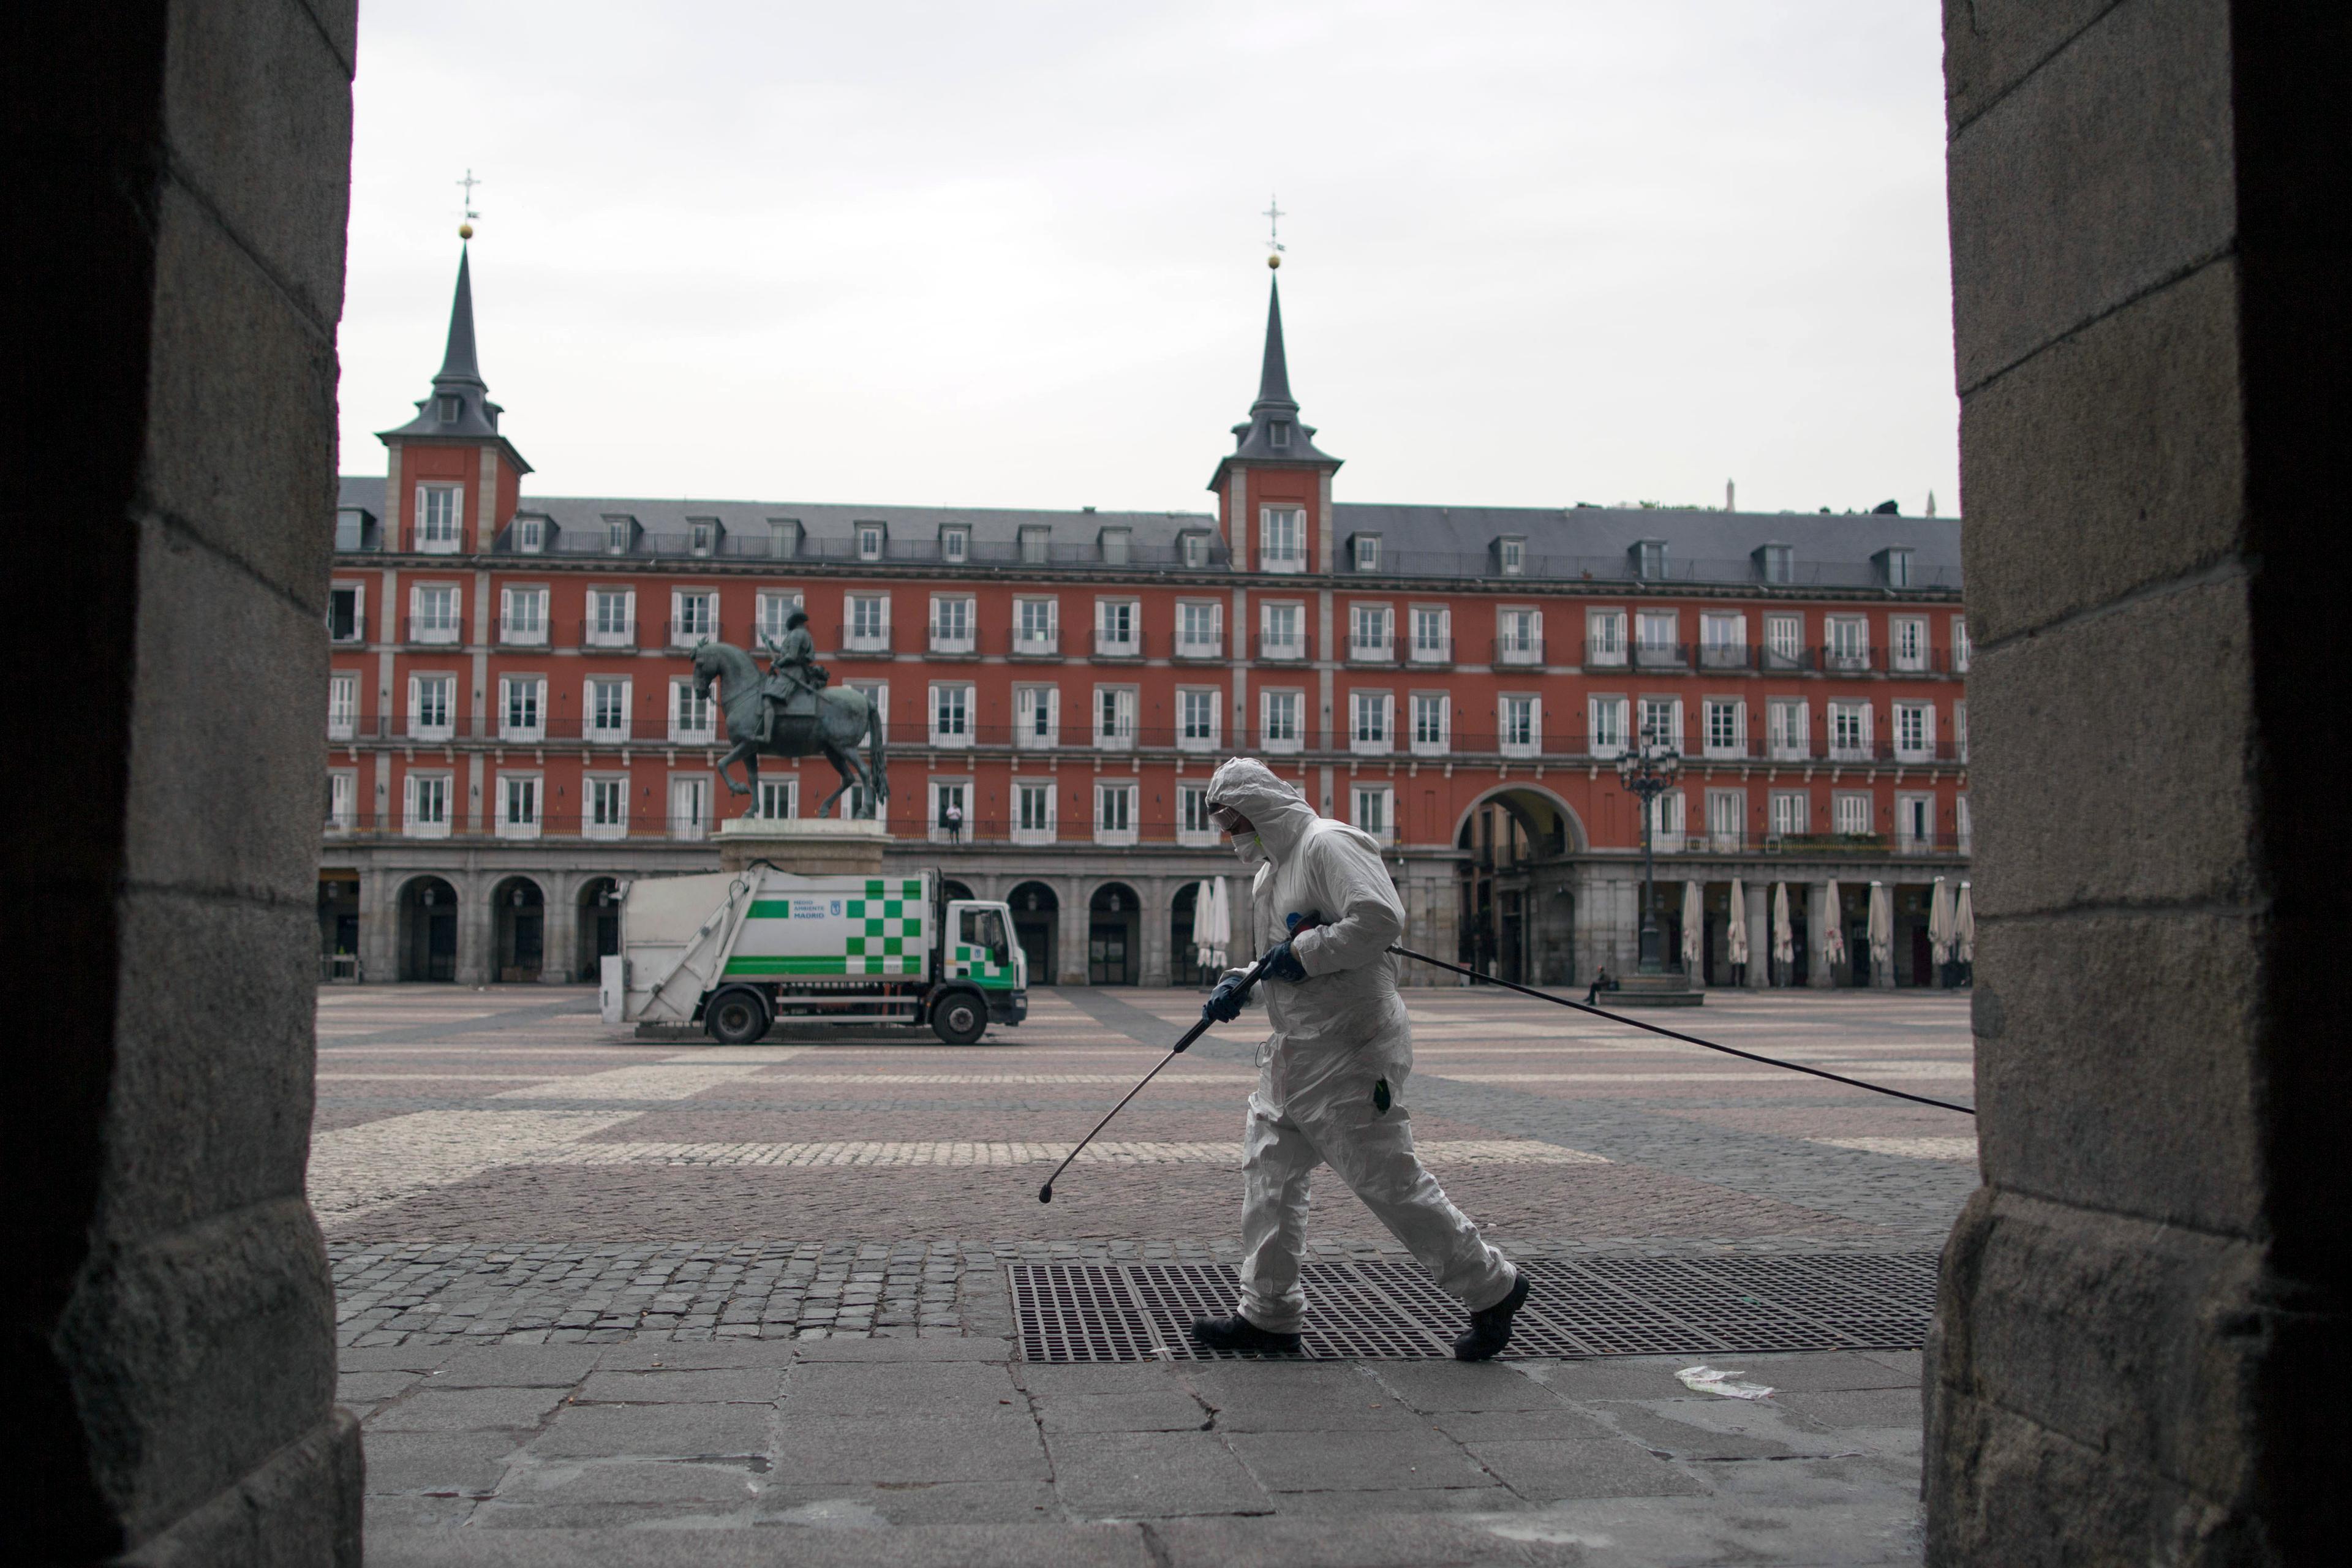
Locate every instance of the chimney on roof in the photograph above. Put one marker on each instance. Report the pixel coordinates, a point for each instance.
(1730, 496)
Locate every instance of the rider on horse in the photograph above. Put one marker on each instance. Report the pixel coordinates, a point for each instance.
(793, 670)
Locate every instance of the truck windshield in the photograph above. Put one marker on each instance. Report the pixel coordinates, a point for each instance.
(983, 928)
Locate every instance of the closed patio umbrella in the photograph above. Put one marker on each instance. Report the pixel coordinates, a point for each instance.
(1834, 926)
(1939, 922)
(1882, 930)
(1694, 925)
(1784, 935)
(1212, 920)
(1963, 928)
(1738, 932)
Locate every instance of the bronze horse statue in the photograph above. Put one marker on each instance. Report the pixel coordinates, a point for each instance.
(842, 719)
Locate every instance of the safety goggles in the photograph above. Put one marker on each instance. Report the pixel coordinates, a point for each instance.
(1226, 820)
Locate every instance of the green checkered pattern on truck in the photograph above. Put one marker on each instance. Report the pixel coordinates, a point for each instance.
(975, 962)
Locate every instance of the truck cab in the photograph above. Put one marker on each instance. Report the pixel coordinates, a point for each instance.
(978, 947)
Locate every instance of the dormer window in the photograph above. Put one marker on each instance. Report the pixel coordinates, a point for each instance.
(1035, 541)
(1195, 546)
(1895, 565)
(1511, 556)
(450, 405)
(955, 545)
(529, 534)
(620, 533)
(869, 541)
(1777, 563)
(1114, 546)
(783, 537)
(1649, 559)
(1278, 433)
(1367, 551)
(701, 534)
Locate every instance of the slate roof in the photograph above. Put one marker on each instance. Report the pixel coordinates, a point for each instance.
(1272, 433)
(459, 377)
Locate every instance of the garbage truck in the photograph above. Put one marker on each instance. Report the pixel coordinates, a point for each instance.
(739, 952)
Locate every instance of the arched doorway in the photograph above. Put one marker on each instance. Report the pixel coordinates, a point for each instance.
(339, 923)
(950, 889)
(599, 928)
(519, 916)
(1114, 932)
(1517, 914)
(1037, 922)
(428, 929)
(1183, 965)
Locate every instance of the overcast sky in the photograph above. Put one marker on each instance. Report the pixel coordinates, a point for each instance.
(1004, 254)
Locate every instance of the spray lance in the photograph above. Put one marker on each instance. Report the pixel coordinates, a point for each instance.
(1256, 973)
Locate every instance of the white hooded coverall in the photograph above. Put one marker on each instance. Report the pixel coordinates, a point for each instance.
(1337, 1034)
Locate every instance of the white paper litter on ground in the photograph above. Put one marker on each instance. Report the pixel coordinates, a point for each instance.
(1707, 1380)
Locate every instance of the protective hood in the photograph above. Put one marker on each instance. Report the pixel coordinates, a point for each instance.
(1278, 812)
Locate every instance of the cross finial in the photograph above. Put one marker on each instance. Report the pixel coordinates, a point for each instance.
(1273, 216)
(469, 183)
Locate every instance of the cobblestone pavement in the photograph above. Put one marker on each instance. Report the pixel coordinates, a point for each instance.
(527, 1210)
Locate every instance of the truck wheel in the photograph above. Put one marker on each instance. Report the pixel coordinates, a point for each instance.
(737, 1016)
(961, 1018)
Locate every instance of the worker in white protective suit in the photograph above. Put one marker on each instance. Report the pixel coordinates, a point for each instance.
(1331, 1076)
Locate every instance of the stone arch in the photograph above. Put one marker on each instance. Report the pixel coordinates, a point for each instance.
(1037, 928)
(518, 910)
(430, 910)
(1517, 916)
(596, 903)
(1536, 807)
(1114, 934)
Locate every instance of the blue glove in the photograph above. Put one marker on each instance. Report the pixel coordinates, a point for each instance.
(1283, 965)
(1225, 1004)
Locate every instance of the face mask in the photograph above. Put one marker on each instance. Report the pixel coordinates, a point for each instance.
(1251, 848)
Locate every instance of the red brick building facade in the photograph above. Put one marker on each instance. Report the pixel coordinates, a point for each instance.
(512, 729)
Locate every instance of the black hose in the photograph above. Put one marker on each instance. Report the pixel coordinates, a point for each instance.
(1673, 1034)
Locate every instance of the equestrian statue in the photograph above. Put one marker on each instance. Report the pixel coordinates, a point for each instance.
(790, 711)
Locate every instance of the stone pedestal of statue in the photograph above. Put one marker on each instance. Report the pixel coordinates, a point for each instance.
(1671, 989)
(804, 845)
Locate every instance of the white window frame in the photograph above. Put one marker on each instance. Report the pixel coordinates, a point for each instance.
(1722, 639)
(529, 534)
(1727, 820)
(1272, 646)
(771, 609)
(1270, 699)
(1373, 810)
(1372, 633)
(532, 690)
(1511, 555)
(872, 539)
(358, 591)
(1026, 829)
(955, 623)
(1282, 539)
(1853, 814)
(1906, 644)
(1845, 642)
(421, 728)
(521, 803)
(693, 616)
(1428, 739)
(941, 793)
(1850, 739)
(428, 802)
(440, 519)
(953, 710)
(1960, 731)
(1518, 635)
(1915, 822)
(693, 719)
(866, 623)
(1193, 829)
(955, 545)
(1724, 728)
(775, 792)
(1372, 723)
(523, 616)
(342, 800)
(1027, 700)
(1790, 814)
(342, 705)
(1113, 717)
(1963, 650)
(1129, 641)
(1512, 737)
(1034, 633)
(1200, 715)
(1606, 643)
(689, 806)
(1117, 806)
(1652, 651)
(437, 631)
(1789, 729)
(1784, 642)
(595, 629)
(1607, 721)
(1669, 732)
(1199, 628)
(591, 711)
(1668, 819)
(1963, 833)
(607, 795)
(1915, 731)
(1433, 634)
(1367, 552)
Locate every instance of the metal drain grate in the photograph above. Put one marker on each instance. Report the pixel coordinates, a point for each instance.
(1589, 1307)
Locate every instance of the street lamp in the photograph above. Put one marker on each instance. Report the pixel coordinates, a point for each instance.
(1647, 772)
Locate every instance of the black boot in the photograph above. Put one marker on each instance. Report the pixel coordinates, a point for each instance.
(1238, 1333)
(1490, 1328)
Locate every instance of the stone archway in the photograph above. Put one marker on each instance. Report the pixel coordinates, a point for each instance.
(1113, 935)
(1036, 927)
(427, 945)
(598, 927)
(517, 930)
(1517, 900)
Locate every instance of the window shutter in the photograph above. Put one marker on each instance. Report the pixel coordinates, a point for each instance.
(629, 610)
(1388, 717)
(1674, 737)
(1927, 725)
(1869, 726)
(1739, 723)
